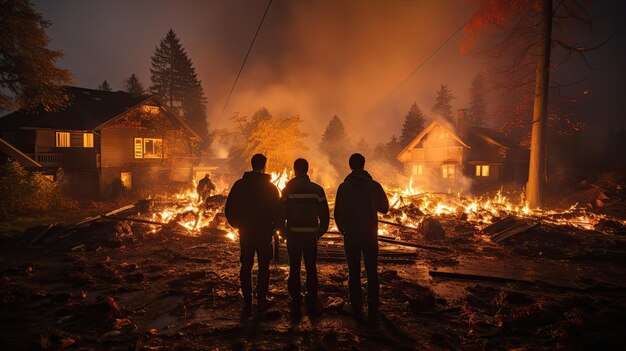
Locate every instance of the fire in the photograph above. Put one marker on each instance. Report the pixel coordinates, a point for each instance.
(481, 211)
(281, 179)
(185, 209)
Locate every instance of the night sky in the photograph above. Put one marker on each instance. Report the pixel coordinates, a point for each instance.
(314, 59)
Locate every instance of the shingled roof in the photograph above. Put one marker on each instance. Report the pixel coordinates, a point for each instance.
(88, 108)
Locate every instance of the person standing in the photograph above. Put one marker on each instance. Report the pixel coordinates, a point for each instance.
(253, 207)
(307, 216)
(358, 200)
(205, 188)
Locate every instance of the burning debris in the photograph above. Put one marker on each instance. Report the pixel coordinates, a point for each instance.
(163, 273)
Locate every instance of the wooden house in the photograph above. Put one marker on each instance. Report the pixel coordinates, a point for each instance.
(442, 153)
(102, 140)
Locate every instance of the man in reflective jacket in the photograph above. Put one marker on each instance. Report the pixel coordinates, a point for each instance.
(358, 200)
(253, 207)
(306, 211)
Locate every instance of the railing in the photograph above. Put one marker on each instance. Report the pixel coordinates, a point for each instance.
(49, 158)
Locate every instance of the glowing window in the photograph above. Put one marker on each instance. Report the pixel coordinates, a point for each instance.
(138, 148)
(417, 170)
(87, 139)
(153, 110)
(482, 170)
(152, 148)
(447, 171)
(63, 139)
(127, 179)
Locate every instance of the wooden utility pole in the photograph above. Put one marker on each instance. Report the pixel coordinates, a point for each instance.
(537, 167)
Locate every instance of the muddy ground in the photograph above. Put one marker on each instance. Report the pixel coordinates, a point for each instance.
(116, 285)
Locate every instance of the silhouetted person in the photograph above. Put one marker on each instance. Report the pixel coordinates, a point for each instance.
(205, 188)
(306, 211)
(358, 200)
(253, 207)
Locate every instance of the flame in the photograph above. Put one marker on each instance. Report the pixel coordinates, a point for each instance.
(281, 179)
(481, 211)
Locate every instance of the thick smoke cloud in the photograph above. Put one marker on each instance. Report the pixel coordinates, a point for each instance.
(313, 58)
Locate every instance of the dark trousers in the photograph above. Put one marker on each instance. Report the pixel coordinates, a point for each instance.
(354, 247)
(299, 245)
(264, 255)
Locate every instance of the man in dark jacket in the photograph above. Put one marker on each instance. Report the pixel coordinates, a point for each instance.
(253, 207)
(306, 210)
(358, 200)
(204, 188)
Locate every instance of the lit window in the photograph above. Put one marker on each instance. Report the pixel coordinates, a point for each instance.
(447, 171)
(63, 139)
(87, 139)
(153, 110)
(152, 148)
(417, 170)
(482, 170)
(148, 148)
(138, 148)
(127, 179)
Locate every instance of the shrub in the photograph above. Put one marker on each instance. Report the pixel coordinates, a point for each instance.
(26, 192)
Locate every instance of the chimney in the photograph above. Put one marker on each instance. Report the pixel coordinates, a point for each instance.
(461, 122)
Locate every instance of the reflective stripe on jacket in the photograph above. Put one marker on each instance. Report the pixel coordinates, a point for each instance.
(305, 207)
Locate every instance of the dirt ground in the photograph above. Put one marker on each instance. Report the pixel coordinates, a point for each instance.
(119, 285)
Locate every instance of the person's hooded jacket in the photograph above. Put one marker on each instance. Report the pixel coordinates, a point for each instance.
(358, 200)
(253, 207)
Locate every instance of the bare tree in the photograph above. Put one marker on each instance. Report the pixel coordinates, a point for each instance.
(531, 33)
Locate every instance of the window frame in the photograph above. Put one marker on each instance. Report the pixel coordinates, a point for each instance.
(140, 149)
(445, 171)
(63, 138)
(483, 170)
(88, 140)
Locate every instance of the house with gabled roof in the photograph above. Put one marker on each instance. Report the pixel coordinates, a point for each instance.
(102, 140)
(444, 152)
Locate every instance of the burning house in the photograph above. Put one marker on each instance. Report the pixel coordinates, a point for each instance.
(443, 152)
(102, 141)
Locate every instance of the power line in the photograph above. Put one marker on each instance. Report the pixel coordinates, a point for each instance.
(415, 70)
(244, 62)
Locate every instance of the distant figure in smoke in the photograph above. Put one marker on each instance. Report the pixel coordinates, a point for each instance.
(205, 188)
(358, 200)
(306, 211)
(253, 207)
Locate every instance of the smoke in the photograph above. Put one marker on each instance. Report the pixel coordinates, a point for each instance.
(317, 59)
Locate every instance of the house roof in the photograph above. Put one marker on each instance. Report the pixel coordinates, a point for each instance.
(492, 136)
(87, 109)
(475, 135)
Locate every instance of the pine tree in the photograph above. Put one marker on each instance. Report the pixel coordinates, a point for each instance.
(104, 86)
(174, 79)
(133, 86)
(335, 144)
(443, 103)
(413, 124)
(478, 105)
(29, 77)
